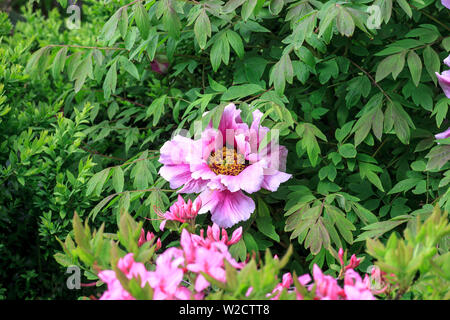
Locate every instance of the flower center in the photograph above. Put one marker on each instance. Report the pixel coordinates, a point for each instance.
(227, 162)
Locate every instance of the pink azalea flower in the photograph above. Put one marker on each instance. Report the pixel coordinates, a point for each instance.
(223, 164)
(355, 288)
(286, 283)
(147, 238)
(181, 211)
(115, 290)
(205, 256)
(446, 3)
(213, 234)
(131, 269)
(166, 279)
(327, 287)
(444, 78)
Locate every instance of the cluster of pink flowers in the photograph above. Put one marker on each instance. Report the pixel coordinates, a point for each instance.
(327, 287)
(181, 211)
(197, 254)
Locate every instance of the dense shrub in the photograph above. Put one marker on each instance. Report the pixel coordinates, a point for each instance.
(349, 88)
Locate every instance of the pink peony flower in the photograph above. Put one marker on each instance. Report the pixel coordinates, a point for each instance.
(147, 238)
(446, 3)
(181, 211)
(223, 164)
(444, 78)
(159, 66)
(443, 135)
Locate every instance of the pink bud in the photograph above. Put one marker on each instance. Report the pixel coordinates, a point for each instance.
(341, 255)
(236, 236)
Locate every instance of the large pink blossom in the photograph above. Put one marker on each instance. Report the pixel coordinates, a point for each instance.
(223, 164)
(444, 78)
(446, 3)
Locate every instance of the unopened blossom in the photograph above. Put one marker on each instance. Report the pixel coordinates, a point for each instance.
(143, 238)
(444, 78)
(159, 66)
(354, 262)
(223, 164)
(181, 211)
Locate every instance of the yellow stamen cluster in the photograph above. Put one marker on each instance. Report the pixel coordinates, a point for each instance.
(227, 162)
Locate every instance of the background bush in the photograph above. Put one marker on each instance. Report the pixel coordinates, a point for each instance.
(83, 115)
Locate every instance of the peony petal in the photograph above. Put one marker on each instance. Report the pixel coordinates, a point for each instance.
(249, 180)
(443, 135)
(272, 182)
(194, 186)
(227, 208)
(177, 175)
(446, 3)
(444, 82)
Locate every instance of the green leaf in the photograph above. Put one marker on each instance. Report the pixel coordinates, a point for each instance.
(129, 66)
(344, 22)
(118, 179)
(220, 51)
(248, 8)
(281, 73)
(275, 6)
(236, 42)
(59, 61)
(432, 62)
(156, 109)
(347, 150)
(393, 64)
(202, 29)
(238, 92)
(142, 19)
(123, 22)
(405, 6)
(109, 29)
(415, 66)
(110, 81)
